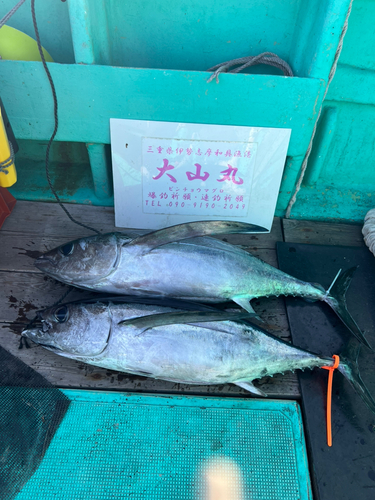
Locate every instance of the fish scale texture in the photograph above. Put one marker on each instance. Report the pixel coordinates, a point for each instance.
(168, 448)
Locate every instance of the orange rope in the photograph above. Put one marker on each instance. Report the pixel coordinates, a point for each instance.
(331, 369)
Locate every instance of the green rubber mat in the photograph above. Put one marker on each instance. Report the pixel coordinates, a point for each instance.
(131, 446)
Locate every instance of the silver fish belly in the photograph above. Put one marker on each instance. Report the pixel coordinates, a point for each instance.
(195, 347)
(169, 344)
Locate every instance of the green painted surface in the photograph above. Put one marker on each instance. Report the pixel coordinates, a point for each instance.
(358, 49)
(340, 177)
(147, 94)
(351, 84)
(334, 203)
(113, 445)
(101, 169)
(183, 35)
(196, 35)
(70, 173)
(73, 182)
(182, 40)
(85, 109)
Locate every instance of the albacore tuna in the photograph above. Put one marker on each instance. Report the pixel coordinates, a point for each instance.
(194, 347)
(182, 262)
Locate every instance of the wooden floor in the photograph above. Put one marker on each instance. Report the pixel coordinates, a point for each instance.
(36, 227)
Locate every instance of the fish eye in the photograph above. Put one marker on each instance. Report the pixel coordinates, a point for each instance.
(67, 249)
(61, 314)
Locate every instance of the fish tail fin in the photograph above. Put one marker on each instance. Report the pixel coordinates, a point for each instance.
(349, 368)
(335, 297)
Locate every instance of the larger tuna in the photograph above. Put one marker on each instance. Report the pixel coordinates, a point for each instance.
(182, 262)
(194, 347)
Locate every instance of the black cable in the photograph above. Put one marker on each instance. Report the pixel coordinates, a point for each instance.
(70, 289)
(23, 341)
(55, 112)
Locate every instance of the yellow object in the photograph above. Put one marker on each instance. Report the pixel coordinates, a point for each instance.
(18, 46)
(9, 178)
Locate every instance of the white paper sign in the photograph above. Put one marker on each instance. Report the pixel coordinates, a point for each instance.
(168, 173)
(183, 177)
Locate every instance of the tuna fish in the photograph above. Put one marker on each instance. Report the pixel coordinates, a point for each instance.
(182, 262)
(193, 347)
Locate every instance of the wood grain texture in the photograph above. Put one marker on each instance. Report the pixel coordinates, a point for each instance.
(24, 293)
(19, 251)
(47, 220)
(322, 233)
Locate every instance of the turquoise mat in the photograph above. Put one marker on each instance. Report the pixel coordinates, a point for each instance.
(120, 446)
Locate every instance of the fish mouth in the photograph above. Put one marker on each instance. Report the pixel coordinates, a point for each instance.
(33, 334)
(37, 329)
(44, 261)
(37, 335)
(51, 347)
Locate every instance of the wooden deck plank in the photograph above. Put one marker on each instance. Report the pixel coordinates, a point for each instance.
(68, 373)
(322, 233)
(37, 219)
(18, 251)
(24, 293)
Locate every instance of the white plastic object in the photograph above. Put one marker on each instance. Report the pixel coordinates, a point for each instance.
(368, 230)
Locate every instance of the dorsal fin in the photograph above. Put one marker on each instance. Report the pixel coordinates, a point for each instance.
(185, 317)
(147, 242)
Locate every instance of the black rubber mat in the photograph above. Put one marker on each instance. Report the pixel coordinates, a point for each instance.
(31, 410)
(347, 469)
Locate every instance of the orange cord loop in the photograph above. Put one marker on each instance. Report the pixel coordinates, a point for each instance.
(331, 369)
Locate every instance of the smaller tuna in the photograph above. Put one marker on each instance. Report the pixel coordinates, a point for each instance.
(204, 347)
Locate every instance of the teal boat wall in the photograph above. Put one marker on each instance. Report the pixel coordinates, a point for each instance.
(143, 61)
(197, 35)
(70, 173)
(226, 30)
(55, 32)
(340, 177)
(358, 50)
(173, 96)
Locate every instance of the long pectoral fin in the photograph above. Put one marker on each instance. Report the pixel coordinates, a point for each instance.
(185, 317)
(147, 242)
(251, 388)
(244, 302)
